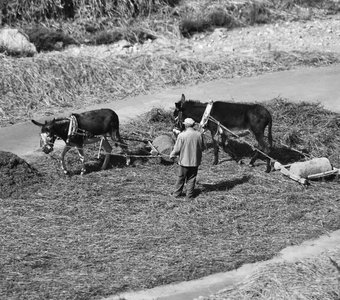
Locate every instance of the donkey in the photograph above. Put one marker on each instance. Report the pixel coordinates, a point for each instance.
(253, 117)
(80, 129)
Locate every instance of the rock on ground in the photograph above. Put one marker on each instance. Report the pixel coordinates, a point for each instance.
(14, 42)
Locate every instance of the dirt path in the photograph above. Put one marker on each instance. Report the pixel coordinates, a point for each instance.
(305, 84)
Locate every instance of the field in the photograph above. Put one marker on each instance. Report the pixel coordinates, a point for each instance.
(85, 237)
(91, 236)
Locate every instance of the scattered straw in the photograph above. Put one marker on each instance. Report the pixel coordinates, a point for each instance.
(86, 237)
(316, 277)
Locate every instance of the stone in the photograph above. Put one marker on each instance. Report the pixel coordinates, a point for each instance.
(16, 43)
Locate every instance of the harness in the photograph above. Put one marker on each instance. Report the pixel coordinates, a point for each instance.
(206, 117)
(74, 130)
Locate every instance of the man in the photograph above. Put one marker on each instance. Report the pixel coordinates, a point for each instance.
(189, 147)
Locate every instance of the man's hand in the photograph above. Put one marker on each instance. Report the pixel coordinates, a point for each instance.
(173, 157)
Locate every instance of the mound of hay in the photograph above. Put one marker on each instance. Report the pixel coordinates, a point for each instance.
(307, 127)
(156, 115)
(316, 277)
(15, 174)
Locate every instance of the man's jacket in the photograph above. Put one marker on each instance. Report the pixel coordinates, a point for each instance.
(189, 147)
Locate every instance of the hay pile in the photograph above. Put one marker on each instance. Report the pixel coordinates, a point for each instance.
(307, 127)
(15, 174)
(311, 278)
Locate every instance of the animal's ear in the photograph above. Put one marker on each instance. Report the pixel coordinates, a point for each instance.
(37, 123)
(183, 98)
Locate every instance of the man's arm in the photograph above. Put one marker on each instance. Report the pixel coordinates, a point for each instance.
(177, 147)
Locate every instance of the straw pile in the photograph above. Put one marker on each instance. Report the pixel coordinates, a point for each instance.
(307, 127)
(15, 174)
(317, 277)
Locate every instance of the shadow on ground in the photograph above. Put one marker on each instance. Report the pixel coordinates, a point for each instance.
(224, 184)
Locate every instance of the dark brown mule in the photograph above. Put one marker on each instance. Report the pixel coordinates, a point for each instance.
(91, 127)
(253, 117)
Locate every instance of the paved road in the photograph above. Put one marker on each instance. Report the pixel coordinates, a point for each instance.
(305, 84)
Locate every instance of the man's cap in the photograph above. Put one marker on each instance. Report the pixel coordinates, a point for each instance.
(189, 121)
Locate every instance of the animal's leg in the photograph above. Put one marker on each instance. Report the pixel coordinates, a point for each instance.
(262, 146)
(226, 148)
(82, 159)
(216, 150)
(254, 158)
(63, 165)
(107, 147)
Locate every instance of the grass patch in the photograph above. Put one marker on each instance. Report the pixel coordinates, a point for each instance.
(86, 237)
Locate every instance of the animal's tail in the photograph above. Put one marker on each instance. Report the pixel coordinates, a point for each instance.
(270, 136)
(124, 147)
